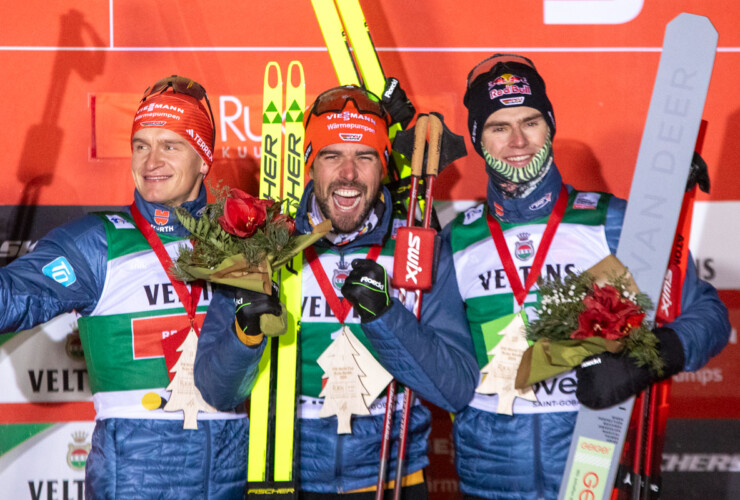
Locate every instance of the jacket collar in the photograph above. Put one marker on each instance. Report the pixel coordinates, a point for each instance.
(536, 204)
(374, 237)
(163, 218)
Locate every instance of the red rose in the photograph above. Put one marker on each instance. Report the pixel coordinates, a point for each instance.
(607, 315)
(241, 195)
(243, 214)
(285, 219)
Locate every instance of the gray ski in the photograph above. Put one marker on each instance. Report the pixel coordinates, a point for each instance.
(655, 198)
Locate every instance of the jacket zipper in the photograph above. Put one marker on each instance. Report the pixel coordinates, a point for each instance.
(207, 464)
(538, 473)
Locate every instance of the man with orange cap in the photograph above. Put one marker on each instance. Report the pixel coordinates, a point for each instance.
(113, 269)
(347, 152)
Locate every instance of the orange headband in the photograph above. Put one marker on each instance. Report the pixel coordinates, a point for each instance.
(347, 126)
(181, 114)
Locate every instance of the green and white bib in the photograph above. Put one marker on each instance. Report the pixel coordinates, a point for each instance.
(122, 336)
(319, 326)
(579, 243)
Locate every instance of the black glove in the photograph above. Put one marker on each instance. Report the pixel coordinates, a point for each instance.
(607, 379)
(251, 305)
(396, 103)
(698, 174)
(368, 289)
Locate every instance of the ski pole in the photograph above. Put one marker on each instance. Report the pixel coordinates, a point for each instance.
(658, 400)
(417, 158)
(650, 420)
(415, 245)
(641, 405)
(432, 166)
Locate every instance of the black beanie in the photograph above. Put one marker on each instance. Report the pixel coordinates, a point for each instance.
(506, 84)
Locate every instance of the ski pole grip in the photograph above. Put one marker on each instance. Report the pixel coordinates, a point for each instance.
(435, 144)
(420, 139)
(413, 262)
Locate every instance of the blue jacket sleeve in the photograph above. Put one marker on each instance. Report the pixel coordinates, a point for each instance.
(225, 368)
(65, 272)
(703, 325)
(434, 357)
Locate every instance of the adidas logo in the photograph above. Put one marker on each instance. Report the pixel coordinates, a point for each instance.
(190, 132)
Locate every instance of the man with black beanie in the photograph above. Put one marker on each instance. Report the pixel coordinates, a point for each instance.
(514, 444)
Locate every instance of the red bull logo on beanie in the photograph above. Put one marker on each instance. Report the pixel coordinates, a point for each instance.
(508, 79)
(508, 84)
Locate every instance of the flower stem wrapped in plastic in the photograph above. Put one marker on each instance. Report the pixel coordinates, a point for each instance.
(240, 240)
(598, 310)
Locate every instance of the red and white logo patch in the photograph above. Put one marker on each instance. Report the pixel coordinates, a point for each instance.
(148, 333)
(161, 217)
(351, 137)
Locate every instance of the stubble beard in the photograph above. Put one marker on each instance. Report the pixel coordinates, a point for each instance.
(349, 222)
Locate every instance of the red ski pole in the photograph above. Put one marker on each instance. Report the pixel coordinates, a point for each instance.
(650, 421)
(417, 159)
(432, 166)
(668, 309)
(414, 254)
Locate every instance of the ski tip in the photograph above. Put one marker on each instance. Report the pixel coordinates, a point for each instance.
(272, 71)
(296, 78)
(698, 26)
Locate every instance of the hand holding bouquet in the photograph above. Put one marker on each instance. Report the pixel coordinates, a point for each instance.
(240, 240)
(598, 310)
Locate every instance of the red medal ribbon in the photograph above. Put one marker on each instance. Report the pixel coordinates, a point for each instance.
(189, 299)
(520, 292)
(340, 307)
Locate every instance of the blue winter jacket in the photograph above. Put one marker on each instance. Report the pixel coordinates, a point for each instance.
(331, 463)
(130, 458)
(523, 456)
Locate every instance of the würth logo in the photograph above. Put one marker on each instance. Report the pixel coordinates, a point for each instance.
(161, 217)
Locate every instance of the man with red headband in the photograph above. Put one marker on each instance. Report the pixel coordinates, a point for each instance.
(112, 269)
(347, 152)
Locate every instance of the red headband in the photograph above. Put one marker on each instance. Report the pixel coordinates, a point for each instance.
(348, 126)
(181, 114)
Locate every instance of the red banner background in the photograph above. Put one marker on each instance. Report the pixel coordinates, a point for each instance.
(75, 70)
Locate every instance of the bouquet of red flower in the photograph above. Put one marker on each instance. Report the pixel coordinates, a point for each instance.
(240, 240)
(598, 310)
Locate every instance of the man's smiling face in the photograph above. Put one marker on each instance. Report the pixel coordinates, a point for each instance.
(515, 135)
(346, 180)
(165, 167)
